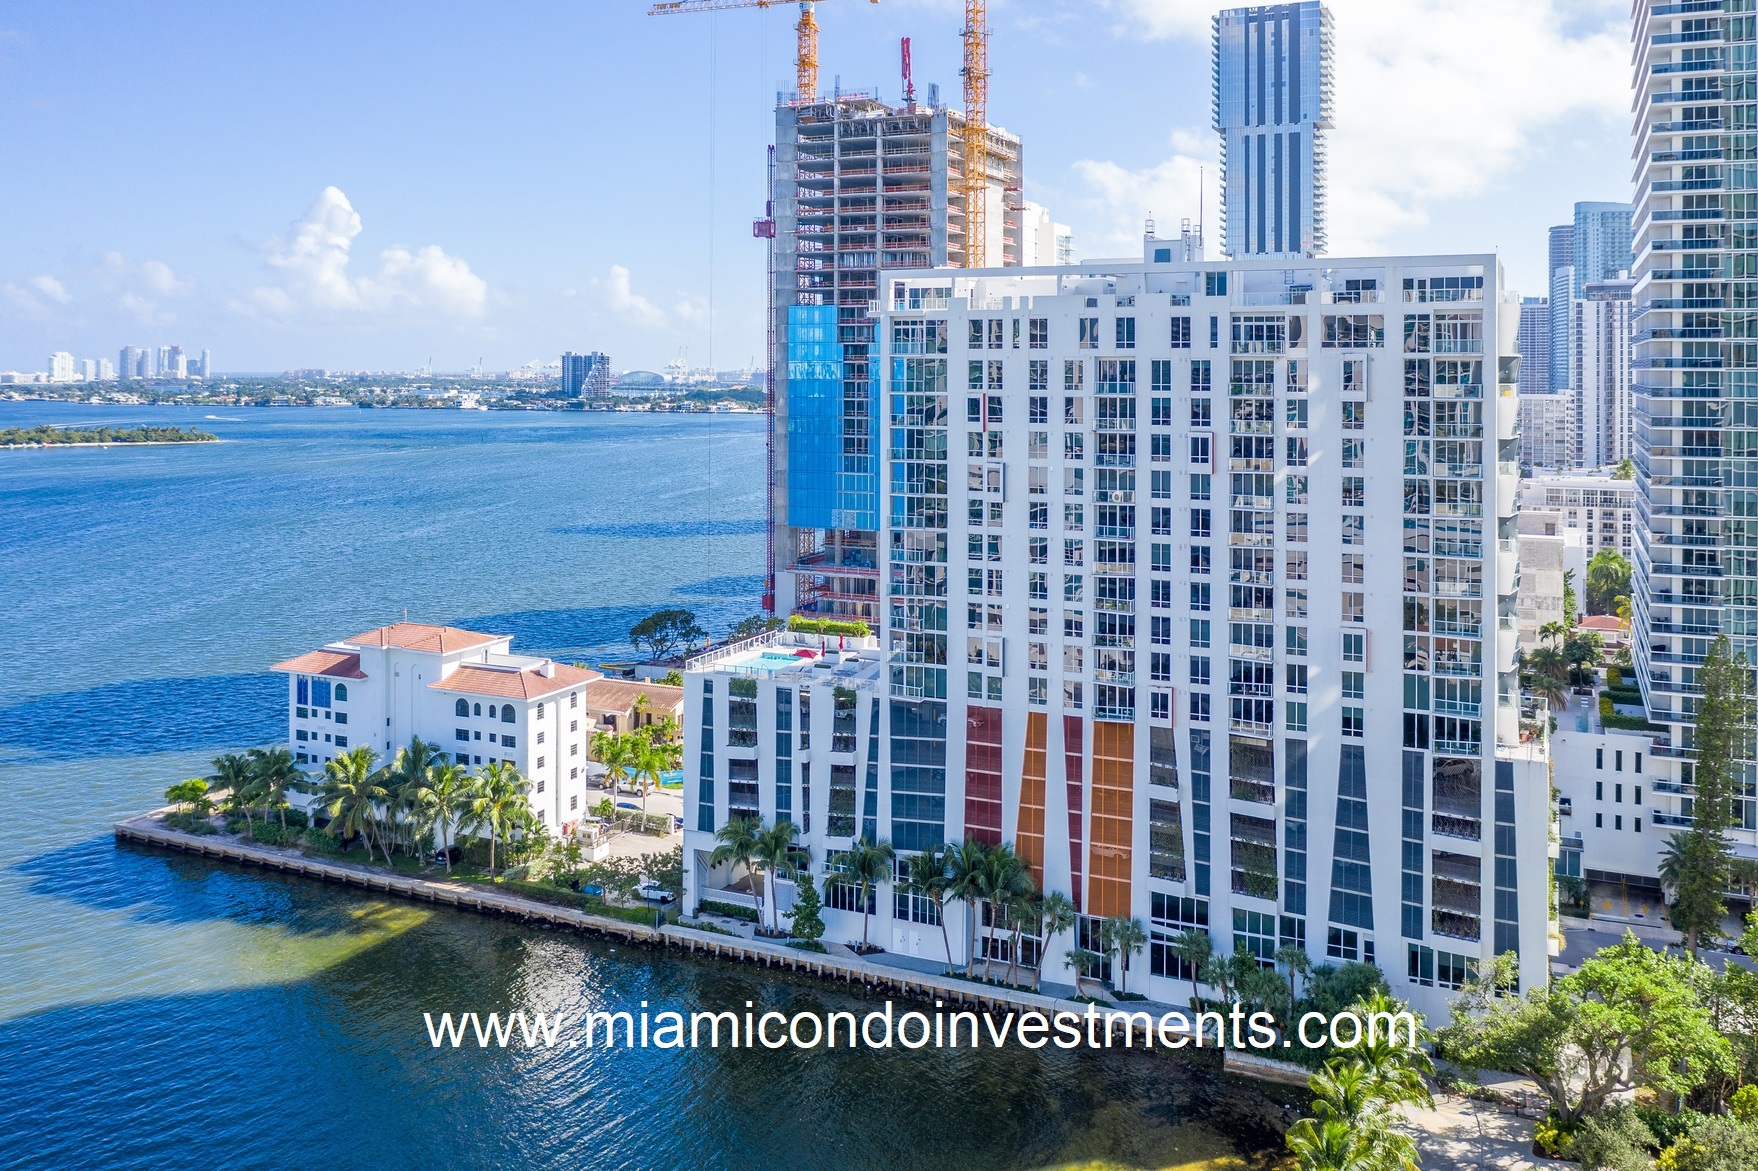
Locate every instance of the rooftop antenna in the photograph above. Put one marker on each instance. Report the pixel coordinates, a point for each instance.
(1202, 183)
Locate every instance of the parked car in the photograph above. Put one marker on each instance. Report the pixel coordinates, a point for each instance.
(440, 856)
(653, 892)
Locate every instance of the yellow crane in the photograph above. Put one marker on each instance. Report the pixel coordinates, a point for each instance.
(806, 32)
(976, 131)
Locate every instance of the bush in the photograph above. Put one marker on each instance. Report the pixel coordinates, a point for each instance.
(1614, 677)
(296, 818)
(809, 945)
(727, 910)
(189, 823)
(1551, 1139)
(1615, 1139)
(271, 834)
(1714, 1144)
(1744, 1105)
(323, 841)
(828, 626)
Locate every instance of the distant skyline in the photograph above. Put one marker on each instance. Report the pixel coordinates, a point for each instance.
(347, 187)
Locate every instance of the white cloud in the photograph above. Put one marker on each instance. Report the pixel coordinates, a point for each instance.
(619, 296)
(312, 264)
(1118, 201)
(51, 288)
(139, 288)
(36, 299)
(1434, 104)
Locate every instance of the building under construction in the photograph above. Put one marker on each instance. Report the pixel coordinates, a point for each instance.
(857, 186)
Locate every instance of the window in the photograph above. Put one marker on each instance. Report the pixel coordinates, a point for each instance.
(341, 693)
(508, 715)
(1199, 450)
(1038, 333)
(458, 733)
(1181, 333)
(1126, 333)
(1089, 333)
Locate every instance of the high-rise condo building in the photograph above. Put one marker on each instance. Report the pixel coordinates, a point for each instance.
(1602, 243)
(1534, 345)
(207, 364)
(1696, 374)
(1272, 106)
(586, 375)
(1602, 407)
(61, 366)
(1562, 288)
(1199, 590)
(858, 185)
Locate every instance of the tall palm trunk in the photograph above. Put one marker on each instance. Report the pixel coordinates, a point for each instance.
(970, 954)
(945, 939)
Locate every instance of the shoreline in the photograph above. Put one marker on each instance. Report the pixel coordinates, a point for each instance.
(114, 443)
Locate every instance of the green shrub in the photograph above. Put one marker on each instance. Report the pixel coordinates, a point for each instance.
(728, 910)
(1552, 1139)
(189, 823)
(809, 945)
(1615, 1139)
(828, 626)
(1614, 677)
(1714, 1144)
(271, 834)
(323, 841)
(296, 818)
(1744, 1105)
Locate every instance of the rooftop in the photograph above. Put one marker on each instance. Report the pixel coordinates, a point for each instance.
(512, 682)
(619, 695)
(419, 636)
(336, 664)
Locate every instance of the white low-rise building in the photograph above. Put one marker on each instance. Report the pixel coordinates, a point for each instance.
(1602, 777)
(462, 691)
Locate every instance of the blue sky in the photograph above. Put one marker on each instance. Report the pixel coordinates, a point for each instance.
(367, 185)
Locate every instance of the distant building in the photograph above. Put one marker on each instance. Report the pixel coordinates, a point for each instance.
(1042, 240)
(1272, 105)
(61, 366)
(1547, 431)
(1562, 285)
(207, 364)
(1534, 342)
(586, 375)
(1600, 506)
(1601, 337)
(106, 370)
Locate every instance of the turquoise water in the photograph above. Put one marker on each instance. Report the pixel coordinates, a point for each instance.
(158, 1012)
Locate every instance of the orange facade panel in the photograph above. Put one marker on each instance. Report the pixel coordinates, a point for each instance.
(1029, 837)
(1110, 854)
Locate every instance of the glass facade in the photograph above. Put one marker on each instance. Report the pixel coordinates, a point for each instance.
(1272, 104)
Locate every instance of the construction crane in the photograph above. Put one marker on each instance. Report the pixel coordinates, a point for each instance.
(806, 32)
(976, 131)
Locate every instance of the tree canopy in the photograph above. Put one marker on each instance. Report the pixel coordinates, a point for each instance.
(665, 631)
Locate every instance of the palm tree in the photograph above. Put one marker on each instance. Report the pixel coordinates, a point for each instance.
(498, 803)
(616, 753)
(232, 773)
(1056, 914)
(1123, 938)
(777, 851)
(1296, 961)
(1002, 878)
(1553, 632)
(966, 864)
(1550, 674)
(350, 793)
(277, 774)
(444, 801)
(864, 865)
(738, 846)
(925, 874)
(1394, 1071)
(1081, 960)
(1351, 1127)
(1197, 950)
(651, 759)
(411, 770)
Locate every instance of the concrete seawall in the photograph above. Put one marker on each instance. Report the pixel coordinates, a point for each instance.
(147, 830)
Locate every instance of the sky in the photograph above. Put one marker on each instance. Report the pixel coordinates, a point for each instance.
(367, 185)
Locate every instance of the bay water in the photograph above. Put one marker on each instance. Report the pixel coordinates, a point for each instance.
(160, 1012)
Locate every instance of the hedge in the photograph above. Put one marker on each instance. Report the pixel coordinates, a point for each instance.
(830, 626)
(728, 910)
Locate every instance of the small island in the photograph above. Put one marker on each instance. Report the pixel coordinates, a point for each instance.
(50, 436)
